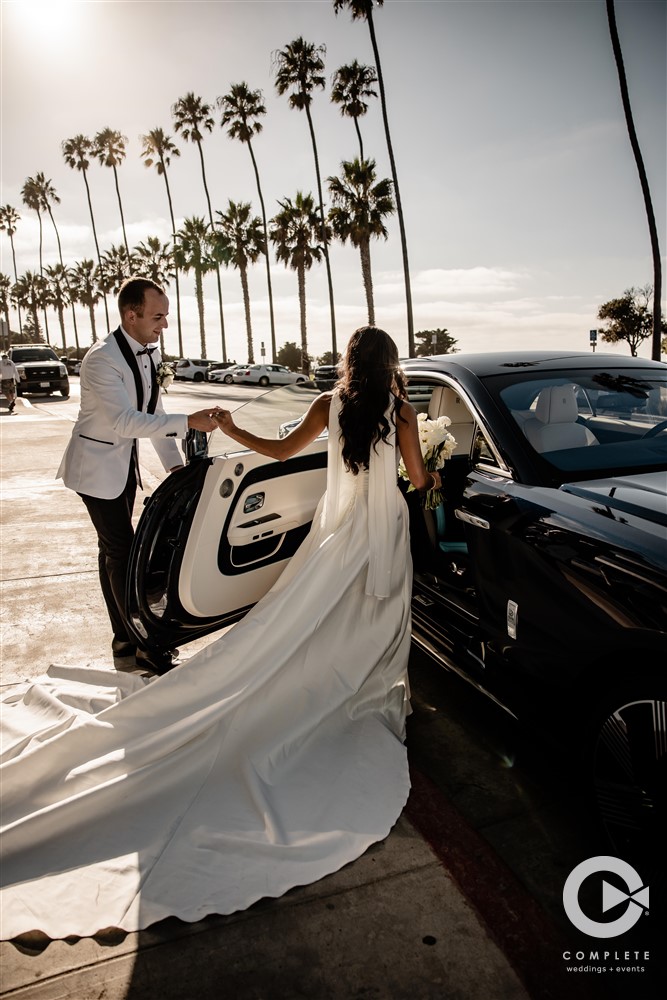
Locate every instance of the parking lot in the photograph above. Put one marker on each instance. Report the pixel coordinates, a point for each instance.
(494, 825)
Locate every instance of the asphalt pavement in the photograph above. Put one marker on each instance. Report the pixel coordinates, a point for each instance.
(430, 913)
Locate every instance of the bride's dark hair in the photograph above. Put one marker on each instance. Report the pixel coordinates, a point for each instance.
(370, 372)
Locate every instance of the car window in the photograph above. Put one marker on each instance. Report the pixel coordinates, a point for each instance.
(593, 420)
(264, 414)
(40, 354)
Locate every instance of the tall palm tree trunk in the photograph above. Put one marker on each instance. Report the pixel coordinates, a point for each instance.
(643, 180)
(60, 257)
(93, 328)
(274, 346)
(365, 254)
(97, 248)
(61, 320)
(199, 293)
(246, 306)
(399, 208)
(16, 278)
(41, 271)
(361, 144)
(301, 279)
(325, 246)
(178, 291)
(217, 266)
(120, 209)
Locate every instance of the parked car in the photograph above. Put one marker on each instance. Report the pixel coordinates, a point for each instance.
(266, 375)
(541, 579)
(225, 375)
(325, 377)
(192, 369)
(218, 366)
(73, 365)
(40, 368)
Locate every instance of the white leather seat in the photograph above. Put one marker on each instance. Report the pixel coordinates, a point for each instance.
(554, 426)
(445, 401)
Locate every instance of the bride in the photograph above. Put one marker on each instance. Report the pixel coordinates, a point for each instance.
(256, 765)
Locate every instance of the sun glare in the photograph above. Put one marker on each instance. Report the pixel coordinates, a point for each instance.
(50, 18)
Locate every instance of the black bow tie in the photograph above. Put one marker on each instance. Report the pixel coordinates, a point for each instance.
(146, 350)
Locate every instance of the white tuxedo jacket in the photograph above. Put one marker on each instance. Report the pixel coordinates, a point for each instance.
(97, 459)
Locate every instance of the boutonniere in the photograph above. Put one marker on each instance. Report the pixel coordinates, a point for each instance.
(164, 374)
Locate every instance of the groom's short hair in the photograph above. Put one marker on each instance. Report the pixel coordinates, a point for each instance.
(132, 293)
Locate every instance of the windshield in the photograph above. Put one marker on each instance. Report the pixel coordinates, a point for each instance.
(612, 421)
(263, 415)
(22, 355)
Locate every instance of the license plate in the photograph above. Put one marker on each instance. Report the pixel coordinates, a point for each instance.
(44, 385)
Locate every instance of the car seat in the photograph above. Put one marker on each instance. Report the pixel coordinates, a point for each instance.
(554, 426)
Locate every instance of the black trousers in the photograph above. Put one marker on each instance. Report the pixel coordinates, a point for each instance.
(112, 520)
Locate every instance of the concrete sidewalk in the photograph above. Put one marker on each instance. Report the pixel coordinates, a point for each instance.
(391, 925)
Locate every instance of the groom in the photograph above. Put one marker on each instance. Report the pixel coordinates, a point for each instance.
(120, 404)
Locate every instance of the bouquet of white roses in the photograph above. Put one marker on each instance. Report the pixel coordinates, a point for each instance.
(437, 445)
(164, 374)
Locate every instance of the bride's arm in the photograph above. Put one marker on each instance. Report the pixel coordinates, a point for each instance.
(408, 443)
(312, 425)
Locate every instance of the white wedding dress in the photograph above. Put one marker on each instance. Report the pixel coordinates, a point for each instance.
(268, 760)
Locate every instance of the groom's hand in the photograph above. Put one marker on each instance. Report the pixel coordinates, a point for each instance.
(202, 420)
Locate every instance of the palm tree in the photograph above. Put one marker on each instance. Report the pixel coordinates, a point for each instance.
(117, 265)
(85, 286)
(155, 260)
(359, 208)
(109, 148)
(350, 85)
(158, 150)
(300, 66)
(239, 240)
(296, 232)
(8, 219)
(31, 196)
(29, 292)
(48, 197)
(59, 295)
(77, 153)
(643, 180)
(363, 10)
(69, 274)
(241, 109)
(191, 115)
(193, 253)
(5, 299)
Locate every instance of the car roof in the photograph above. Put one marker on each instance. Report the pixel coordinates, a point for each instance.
(497, 362)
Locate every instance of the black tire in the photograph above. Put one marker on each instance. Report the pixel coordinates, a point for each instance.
(300, 380)
(264, 381)
(228, 380)
(198, 377)
(627, 756)
(64, 394)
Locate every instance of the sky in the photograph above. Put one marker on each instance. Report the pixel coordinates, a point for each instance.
(522, 203)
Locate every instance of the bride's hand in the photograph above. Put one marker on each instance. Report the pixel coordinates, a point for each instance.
(223, 419)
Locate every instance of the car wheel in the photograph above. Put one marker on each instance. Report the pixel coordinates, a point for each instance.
(64, 393)
(628, 754)
(300, 380)
(198, 377)
(228, 379)
(264, 380)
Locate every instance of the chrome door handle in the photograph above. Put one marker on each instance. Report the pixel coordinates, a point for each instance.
(477, 522)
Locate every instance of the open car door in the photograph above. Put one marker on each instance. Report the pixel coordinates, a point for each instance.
(216, 535)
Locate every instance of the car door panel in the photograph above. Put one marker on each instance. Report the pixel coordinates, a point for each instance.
(214, 537)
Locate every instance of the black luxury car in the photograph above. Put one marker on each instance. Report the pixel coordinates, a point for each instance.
(541, 578)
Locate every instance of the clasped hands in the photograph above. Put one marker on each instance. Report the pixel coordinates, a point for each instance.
(204, 420)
